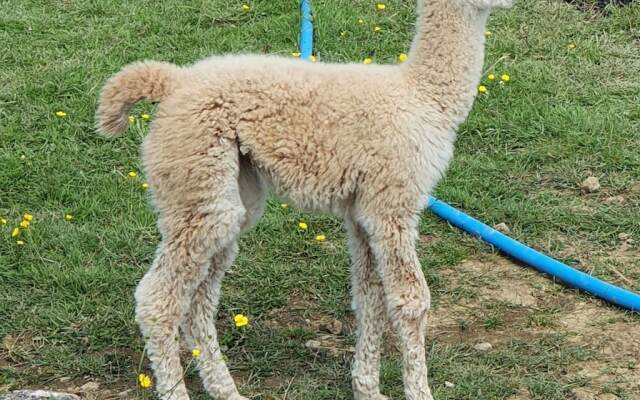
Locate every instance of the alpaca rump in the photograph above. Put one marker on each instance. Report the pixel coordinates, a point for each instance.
(366, 143)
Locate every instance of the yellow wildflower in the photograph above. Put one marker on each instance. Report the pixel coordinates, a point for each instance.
(367, 60)
(20, 242)
(313, 58)
(246, 8)
(25, 224)
(482, 89)
(491, 77)
(145, 185)
(132, 174)
(296, 54)
(381, 6)
(145, 116)
(284, 205)
(360, 21)
(15, 232)
(571, 46)
(132, 119)
(403, 57)
(27, 217)
(303, 226)
(3, 221)
(23, 157)
(68, 217)
(145, 381)
(488, 33)
(505, 78)
(343, 33)
(377, 28)
(61, 114)
(241, 320)
(321, 238)
(195, 353)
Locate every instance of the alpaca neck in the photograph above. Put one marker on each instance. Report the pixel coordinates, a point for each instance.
(446, 57)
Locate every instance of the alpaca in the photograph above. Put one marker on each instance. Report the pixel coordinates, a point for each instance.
(365, 143)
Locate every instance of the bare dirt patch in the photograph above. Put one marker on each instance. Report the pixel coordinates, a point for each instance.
(531, 306)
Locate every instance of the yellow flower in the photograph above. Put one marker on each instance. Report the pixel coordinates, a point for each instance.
(246, 8)
(23, 157)
(132, 174)
(488, 33)
(343, 33)
(15, 232)
(195, 353)
(313, 58)
(3, 221)
(360, 21)
(296, 54)
(61, 114)
(284, 205)
(482, 89)
(145, 381)
(321, 238)
(381, 6)
(145, 185)
(303, 226)
(571, 46)
(20, 242)
(402, 57)
(377, 28)
(25, 224)
(367, 60)
(491, 77)
(505, 78)
(241, 320)
(27, 217)
(145, 116)
(132, 119)
(68, 217)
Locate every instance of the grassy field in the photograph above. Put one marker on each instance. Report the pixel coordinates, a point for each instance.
(570, 110)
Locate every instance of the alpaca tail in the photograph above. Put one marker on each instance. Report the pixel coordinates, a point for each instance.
(148, 79)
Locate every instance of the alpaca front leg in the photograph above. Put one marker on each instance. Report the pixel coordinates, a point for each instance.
(407, 297)
(368, 305)
(200, 330)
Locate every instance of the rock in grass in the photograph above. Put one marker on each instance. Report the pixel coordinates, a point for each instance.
(590, 185)
(502, 227)
(38, 395)
(486, 346)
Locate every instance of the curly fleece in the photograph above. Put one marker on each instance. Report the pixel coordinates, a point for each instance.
(365, 143)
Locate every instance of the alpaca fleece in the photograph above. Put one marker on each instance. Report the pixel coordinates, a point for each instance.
(365, 143)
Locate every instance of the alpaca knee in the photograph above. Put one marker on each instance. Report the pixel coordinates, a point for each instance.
(410, 303)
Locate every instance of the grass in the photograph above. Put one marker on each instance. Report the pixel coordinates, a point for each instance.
(66, 296)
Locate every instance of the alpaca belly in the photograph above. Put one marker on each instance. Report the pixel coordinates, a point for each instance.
(307, 193)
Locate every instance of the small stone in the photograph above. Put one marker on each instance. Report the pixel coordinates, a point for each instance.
(590, 185)
(64, 379)
(38, 395)
(89, 387)
(614, 200)
(313, 344)
(502, 227)
(485, 346)
(449, 384)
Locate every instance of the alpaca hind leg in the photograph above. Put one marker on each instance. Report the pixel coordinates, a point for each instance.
(197, 195)
(200, 330)
(368, 305)
(407, 297)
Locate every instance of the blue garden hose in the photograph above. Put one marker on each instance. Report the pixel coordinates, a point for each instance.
(513, 248)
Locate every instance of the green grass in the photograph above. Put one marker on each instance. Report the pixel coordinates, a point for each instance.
(66, 295)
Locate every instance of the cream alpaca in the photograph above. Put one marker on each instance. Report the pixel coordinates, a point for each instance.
(366, 143)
